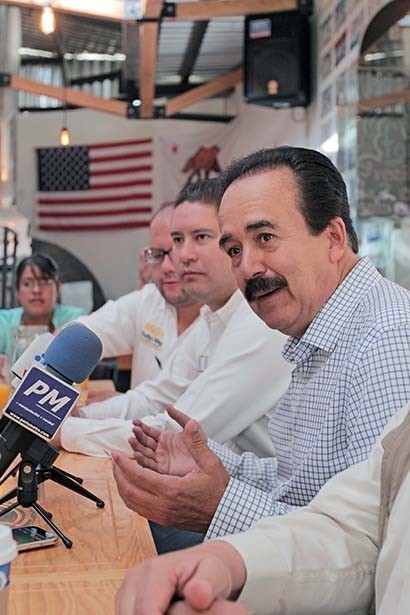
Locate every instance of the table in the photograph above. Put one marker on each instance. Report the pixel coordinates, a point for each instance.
(101, 385)
(82, 580)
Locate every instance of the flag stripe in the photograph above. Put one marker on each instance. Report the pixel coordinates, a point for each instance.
(109, 152)
(80, 194)
(145, 154)
(141, 169)
(116, 164)
(95, 227)
(125, 177)
(138, 182)
(101, 207)
(81, 214)
(104, 218)
(120, 144)
(101, 199)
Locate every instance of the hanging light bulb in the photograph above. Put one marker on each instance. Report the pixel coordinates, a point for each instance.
(48, 19)
(64, 137)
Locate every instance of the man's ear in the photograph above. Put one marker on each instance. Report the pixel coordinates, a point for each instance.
(337, 238)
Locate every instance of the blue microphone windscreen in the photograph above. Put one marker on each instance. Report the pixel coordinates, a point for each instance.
(74, 352)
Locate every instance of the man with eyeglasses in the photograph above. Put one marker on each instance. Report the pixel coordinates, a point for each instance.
(147, 323)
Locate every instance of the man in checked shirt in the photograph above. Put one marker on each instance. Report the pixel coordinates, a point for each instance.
(286, 225)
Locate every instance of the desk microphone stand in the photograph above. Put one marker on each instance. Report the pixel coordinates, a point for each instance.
(35, 468)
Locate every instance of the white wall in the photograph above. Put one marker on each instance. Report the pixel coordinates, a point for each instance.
(111, 255)
(259, 127)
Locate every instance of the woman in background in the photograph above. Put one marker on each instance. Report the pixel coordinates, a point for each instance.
(37, 290)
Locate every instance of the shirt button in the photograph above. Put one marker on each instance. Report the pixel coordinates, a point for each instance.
(299, 376)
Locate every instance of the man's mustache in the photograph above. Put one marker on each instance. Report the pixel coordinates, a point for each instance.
(262, 285)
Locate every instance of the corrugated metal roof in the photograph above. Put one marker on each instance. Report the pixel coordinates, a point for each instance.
(219, 52)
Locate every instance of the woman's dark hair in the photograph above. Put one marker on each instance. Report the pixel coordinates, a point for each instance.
(322, 189)
(47, 265)
(206, 191)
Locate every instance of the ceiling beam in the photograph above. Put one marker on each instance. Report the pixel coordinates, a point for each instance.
(70, 96)
(151, 9)
(203, 91)
(210, 9)
(110, 10)
(196, 38)
(161, 90)
(148, 42)
(385, 100)
(114, 10)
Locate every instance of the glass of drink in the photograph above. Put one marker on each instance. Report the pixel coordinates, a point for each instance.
(4, 381)
(21, 338)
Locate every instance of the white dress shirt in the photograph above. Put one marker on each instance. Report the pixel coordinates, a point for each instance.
(227, 372)
(141, 323)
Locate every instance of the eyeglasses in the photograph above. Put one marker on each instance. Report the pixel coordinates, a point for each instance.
(155, 256)
(42, 283)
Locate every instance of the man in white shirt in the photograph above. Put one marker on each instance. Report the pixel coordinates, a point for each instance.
(147, 323)
(350, 547)
(227, 372)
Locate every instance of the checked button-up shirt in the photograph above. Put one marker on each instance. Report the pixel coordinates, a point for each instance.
(351, 374)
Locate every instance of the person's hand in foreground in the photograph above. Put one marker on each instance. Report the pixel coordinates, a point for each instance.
(219, 607)
(187, 492)
(196, 580)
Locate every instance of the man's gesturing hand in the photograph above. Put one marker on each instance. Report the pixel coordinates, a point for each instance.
(187, 499)
(166, 452)
(202, 578)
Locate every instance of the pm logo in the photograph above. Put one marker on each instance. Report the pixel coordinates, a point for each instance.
(47, 396)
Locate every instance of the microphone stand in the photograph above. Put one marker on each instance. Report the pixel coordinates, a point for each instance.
(35, 467)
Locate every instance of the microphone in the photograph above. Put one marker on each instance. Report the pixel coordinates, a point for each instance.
(46, 395)
(76, 354)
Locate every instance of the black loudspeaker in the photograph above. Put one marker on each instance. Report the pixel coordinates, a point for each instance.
(276, 63)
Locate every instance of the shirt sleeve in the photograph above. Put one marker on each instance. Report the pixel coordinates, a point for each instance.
(115, 323)
(151, 397)
(380, 386)
(96, 437)
(322, 558)
(245, 377)
(319, 559)
(250, 494)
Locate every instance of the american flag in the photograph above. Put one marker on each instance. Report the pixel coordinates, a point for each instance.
(105, 186)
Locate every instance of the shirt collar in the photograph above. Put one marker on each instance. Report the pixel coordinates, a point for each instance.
(224, 313)
(325, 329)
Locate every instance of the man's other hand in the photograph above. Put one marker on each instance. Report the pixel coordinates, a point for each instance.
(200, 579)
(186, 499)
(165, 452)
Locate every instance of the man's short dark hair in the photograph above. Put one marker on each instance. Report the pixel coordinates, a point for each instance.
(321, 186)
(206, 191)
